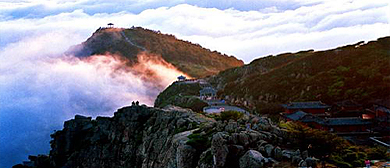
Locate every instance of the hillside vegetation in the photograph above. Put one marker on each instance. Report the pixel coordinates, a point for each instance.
(181, 94)
(189, 58)
(359, 72)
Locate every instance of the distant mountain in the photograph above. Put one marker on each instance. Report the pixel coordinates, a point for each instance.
(189, 58)
(359, 72)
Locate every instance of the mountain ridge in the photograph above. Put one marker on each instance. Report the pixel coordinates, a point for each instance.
(187, 57)
(359, 72)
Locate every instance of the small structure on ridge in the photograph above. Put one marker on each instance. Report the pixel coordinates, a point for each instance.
(181, 78)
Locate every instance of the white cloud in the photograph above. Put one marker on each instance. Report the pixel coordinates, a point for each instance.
(40, 88)
(230, 31)
(33, 34)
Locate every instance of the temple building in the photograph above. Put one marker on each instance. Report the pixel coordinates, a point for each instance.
(181, 78)
(313, 107)
(208, 93)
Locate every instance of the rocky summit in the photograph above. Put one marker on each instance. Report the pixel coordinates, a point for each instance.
(172, 137)
(187, 57)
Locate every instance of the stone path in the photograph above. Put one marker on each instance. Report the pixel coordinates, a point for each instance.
(130, 42)
(217, 106)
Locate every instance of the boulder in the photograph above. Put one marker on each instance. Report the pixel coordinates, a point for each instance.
(286, 154)
(305, 154)
(302, 163)
(231, 127)
(219, 149)
(184, 156)
(268, 149)
(311, 162)
(243, 139)
(236, 149)
(278, 155)
(296, 156)
(251, 159)
(261, 143)
(206, 159)
(295, 159)
(233, 139)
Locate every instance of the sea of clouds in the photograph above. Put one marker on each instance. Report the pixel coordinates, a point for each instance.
(40, 87)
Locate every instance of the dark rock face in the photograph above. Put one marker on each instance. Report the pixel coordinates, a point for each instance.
(252, 159)
(173, 137)
(136, 136)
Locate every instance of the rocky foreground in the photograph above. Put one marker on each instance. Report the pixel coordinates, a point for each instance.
(140, 136)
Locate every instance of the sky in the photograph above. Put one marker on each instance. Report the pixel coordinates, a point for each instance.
(40, 87)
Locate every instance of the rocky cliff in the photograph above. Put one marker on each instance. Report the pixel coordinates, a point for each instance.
(140, 136)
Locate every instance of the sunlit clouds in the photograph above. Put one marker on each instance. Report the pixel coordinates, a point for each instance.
(246, 34)
(40, 88)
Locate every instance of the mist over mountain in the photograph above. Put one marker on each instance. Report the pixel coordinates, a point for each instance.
(187, 57)
(41, 86)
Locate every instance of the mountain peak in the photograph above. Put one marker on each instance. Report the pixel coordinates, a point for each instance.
(189, 58)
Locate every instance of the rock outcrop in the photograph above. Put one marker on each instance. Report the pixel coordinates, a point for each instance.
(251, 159)
(173, 137)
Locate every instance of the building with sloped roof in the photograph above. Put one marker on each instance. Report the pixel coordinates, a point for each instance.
(208, 93)
(343, 124)
(347, 124)
(306, 118)
(181, 78)
(313, 107)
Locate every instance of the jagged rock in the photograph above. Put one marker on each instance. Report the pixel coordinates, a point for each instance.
(137, 136)
(261, 143)
(273, 161)
(254, 136)
(185, 156)
(297, 152)
(279, 132)
(311, 162)
(295, 159)
(262, 149)
(206, 159)
(296, 156)
(268, 149)
(140, 136)
(286, 154)
(251, 159)
(220, 126)
(243, 139)
(278, 153)
(231, 127)
(263, 124)
(219, 149)
(233, 139)
(235, 152)
(305, 154)
(180, 123)
(236, 149)
(302, 163)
